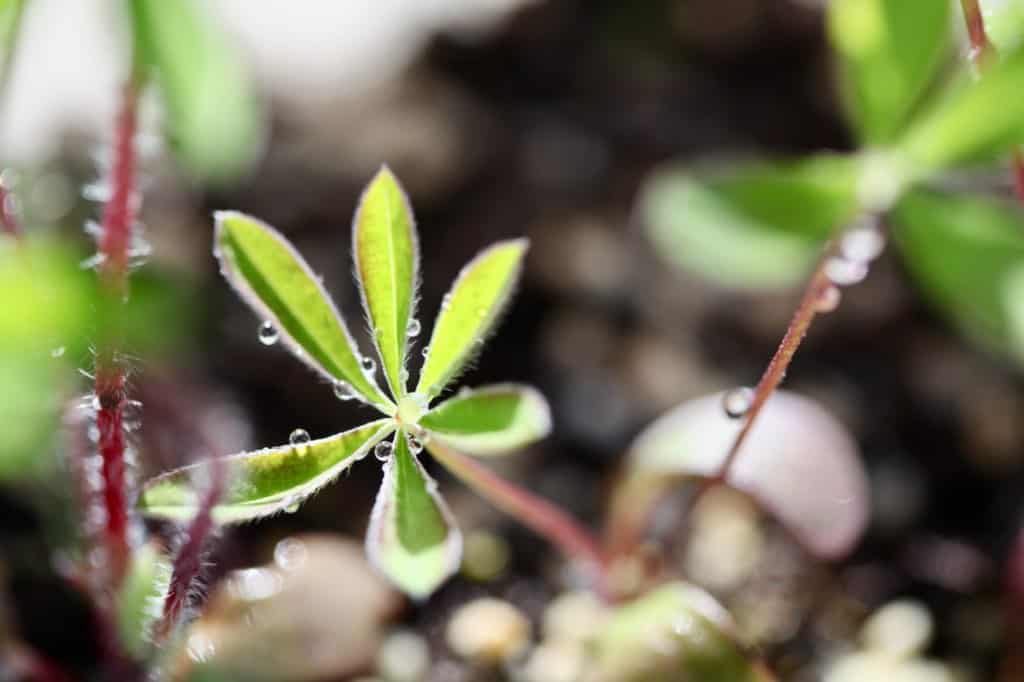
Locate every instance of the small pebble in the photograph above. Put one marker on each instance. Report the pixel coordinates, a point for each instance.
(488, 631)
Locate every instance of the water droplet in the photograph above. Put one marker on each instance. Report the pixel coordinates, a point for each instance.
(845, 272)
(255, 584)
(93, 262)
(131, 414)
(57, 352)
(425, 352)
(290, 554)
(299, 438)
(96, 191)
(415, 444)
(828, 299)
(446, 302)
(368, 364)
(382, 450)
(863, 243)
(737, 401)
(413, 329)
(268, 333)
(343, 391)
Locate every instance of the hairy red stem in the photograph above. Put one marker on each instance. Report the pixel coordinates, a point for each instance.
(537, 514)
(118, 219)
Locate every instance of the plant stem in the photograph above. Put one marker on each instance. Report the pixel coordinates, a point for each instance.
(8, 218)
(982, 54)
(537, 514)
(118, 219)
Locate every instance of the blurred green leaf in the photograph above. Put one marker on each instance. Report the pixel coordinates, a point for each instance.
(977, 120)
(1004, 23)
(412, 538)
(214, 117)
(755, 226)
(891, 51)
(263, 482)
(469, 312)
(967, 254)
(490, 420)
(271, 276)
(676, 632)
(386, 254)
(139, 599)
(10, 21)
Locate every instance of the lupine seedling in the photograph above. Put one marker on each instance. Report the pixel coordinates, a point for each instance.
(412, 537)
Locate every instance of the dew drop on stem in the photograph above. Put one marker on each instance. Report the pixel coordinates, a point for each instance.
(268, 334)
(828, 299)
(863, 243)
(368, 364)
(415, 444)
(844, 272)
(737, 401)
(299, 438)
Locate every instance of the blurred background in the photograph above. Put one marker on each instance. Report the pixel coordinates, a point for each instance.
(543, 118)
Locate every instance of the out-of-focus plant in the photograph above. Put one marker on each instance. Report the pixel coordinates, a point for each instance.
(921, 124)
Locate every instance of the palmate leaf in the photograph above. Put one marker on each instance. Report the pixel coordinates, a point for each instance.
(271, 276)
(470, 309)
(386, 254)
(754, 226)
(263, 482)
(412, 537)
(976, 121)
(491, 420)
(967, 254)
(891, 51)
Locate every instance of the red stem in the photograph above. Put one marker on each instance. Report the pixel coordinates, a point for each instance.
(8, 219)
(536, 513)
(118, 218)
(983, 53)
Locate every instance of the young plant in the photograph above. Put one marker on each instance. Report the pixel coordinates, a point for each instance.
(757, 225)
(412, 537)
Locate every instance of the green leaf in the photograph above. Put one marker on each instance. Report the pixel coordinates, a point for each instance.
(386, 254)
(754, 226)
(214, 115)
(676, 632)
(10, 21)
(968, 255)
(139, 599)
(891, 51)
(1004, 23)
(490, 420)
(470, 310)
(270, 275)
(977, 121)
(263, 482)
(412, 537)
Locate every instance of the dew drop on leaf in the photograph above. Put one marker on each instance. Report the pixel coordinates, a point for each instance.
(415, 444)
(828, 299)
(268, 333)
(413, 329)
(382, 450)
(845, 272)
(343, 391)
(737, 401)
(368, 364)
(299, 437)
(426, 352)
(57, 352)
